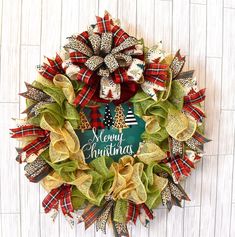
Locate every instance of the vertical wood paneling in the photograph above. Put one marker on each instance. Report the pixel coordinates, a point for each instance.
(224, 194)
(228, 85)
(227, 127)
(9, 169)
(233, 188)
(70, 16)
(87, 11)
(175, 222)
(198, 1)
(214, 27)
(229, 3)
(30, 203)
(110, 6)
(145, 20)
(208, 201)
(163, 23)
(51, 27)
(158, 225)
(49, 228)
(192, 219)
(65, 229)
(127, 14)
(10, 41)
(198, 42)
(1, 22)
(232, 230)
(193, 186)
(180, 27)
(212, 104)
(140, 230)
(10, 225)
(31, 22)
(202, 29)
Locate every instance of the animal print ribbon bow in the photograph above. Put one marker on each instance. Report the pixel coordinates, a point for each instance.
(103, 52)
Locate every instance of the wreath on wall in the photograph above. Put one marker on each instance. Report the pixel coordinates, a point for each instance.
(109, 85)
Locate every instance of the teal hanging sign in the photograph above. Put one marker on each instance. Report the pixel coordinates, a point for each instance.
(109, 130)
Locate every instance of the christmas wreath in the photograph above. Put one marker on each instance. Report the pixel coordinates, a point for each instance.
(112, 128)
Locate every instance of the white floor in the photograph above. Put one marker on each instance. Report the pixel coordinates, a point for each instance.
(205, 32)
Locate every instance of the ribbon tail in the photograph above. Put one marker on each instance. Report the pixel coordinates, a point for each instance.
(133, 212)
(51, 201)
(177, 64)
(66, 202)
(90, 215)
(103, 218)
(195, 112)
(85, 95)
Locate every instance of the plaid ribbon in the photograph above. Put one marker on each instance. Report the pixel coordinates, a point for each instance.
(34, 146)
(200, 138)
(195, 112)
(179, 163)
(156, 73)
(177, 64)
(119, 35)
(85, 75)
(120, 76)
(90, 215)
(85, 95)
(181, 166)
(104, 24)
(134, 211)
(195, 98)
(26, 131)
(59, 196)
(83, 37)
(54, 68)
(78, 58)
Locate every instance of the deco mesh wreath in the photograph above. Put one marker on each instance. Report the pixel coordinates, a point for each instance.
(112, 127)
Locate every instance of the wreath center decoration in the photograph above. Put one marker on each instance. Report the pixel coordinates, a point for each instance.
(112, 127)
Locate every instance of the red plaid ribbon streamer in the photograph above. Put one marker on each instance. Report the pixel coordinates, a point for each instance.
(55, 67)
(85, 95)
(119, 35)
(148, 212)
(181, 166)
(156, 73)
(78, 58)
(90, 215)
(34, 146)
(59, 196)
(134, 211)
(195, 112)
(27, 130)
(195, 98)
(200, 138)
(104, 24)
